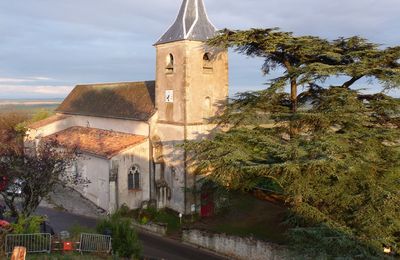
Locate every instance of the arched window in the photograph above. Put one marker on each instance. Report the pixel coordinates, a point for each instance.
(207, 63)
(170, 63)
(134, 178)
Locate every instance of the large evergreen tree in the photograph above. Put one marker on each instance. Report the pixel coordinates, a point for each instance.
(334, 151)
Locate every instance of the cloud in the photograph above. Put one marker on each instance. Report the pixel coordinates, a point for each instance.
(73, 41)
(7, 91)
(21, 80)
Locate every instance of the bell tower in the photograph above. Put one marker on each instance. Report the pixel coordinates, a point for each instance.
(191, 87)
(191, 78)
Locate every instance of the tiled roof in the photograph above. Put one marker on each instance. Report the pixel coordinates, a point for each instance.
(103, 143)
(192, 23)
(127, 100)
(47, 121)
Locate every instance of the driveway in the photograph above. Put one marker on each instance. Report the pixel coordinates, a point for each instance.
(154, 247)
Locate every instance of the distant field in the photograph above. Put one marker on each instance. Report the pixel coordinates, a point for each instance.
(29, 106)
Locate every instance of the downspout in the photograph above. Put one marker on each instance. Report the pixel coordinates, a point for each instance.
(185, 133)
(117, 190)
(115, 173)
(151, 163)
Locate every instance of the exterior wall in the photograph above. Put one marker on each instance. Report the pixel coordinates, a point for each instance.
(50, 129)
(96, 171)
(236, 247)
(171, 81)
(207, 90)
(138, 155)
(199, 93)
(191, 84)
(118, 125)
(171, 136)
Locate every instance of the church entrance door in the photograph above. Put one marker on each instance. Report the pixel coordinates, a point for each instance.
(207, 201)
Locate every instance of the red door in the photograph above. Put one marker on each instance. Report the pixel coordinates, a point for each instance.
(207, 203)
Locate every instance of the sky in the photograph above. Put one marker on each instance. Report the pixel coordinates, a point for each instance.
(48, 46)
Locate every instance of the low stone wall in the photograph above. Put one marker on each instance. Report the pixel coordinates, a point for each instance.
(159, 229)
(235, 247)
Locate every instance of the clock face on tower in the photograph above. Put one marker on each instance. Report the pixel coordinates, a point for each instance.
(169, 96)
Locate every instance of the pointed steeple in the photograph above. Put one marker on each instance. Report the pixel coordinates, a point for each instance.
(192, 24)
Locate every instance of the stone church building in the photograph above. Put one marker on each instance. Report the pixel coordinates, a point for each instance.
(129, 133)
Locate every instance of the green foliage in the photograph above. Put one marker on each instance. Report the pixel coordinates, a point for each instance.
(41, 114)
(310, 60)
(12, 131)
(125, 242)
(337, 162)
(164, 216)
(327, 242)
(333, 151)
(144, 220)
(124, 211)
(27, 225)
(76, 231)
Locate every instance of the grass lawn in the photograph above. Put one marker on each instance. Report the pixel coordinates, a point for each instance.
(249, 216)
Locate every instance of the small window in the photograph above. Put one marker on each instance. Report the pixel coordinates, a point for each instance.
(134, 178)
(207, 63)
(170, 64)
(207, 109)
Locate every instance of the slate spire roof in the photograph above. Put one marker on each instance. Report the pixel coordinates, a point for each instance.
(192, 24)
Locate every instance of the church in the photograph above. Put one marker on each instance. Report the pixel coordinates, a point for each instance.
(130, 133)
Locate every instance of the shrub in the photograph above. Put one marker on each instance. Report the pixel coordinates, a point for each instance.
(27, 225)
(125, 242)
(76, 231)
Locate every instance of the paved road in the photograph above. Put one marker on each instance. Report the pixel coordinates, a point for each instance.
(154, 247)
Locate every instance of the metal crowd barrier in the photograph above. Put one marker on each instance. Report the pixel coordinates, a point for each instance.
(95, 243)
(34, 243)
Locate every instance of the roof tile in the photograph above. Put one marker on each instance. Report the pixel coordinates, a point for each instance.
(127, 100)
(103, 143)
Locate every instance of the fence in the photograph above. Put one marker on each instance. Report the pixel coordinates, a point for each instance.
(34, 243)
(95, 243)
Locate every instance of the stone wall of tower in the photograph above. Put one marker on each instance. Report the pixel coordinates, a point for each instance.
(199, 92)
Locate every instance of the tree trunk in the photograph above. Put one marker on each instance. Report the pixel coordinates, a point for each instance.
(10, 204)
(293, 85)
(351, 81)
(293, 94)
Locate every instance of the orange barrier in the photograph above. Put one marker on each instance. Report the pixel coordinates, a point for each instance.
(19, 253)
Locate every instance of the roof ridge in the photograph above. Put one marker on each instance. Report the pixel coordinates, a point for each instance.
(115, 83)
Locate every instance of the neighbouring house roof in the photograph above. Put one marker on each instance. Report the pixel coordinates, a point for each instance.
(192, 23)
(127, 100)
(103, 143)
(47, 121)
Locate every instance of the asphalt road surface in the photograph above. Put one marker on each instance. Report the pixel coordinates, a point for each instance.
(154, 247)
